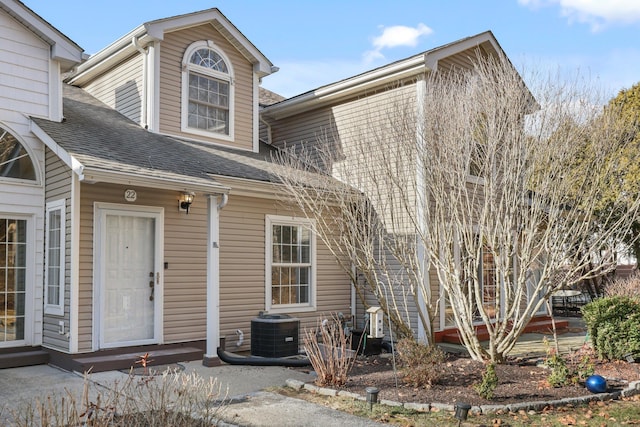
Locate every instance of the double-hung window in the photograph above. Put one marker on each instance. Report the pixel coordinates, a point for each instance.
(55, 257)
(207, 102)
(290, 264)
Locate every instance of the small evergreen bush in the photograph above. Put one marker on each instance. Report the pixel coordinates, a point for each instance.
(614, 326)
(489, 382)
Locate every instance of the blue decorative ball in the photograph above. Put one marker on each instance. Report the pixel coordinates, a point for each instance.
(596, 384)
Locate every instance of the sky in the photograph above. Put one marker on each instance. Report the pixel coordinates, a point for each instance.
(317, 42)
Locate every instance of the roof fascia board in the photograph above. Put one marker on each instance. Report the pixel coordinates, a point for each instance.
(435, 55)
(360, 83)
(154, 31)
(93, 175)
(157, 29)
(62, 154)
(251, 188)
(111, 54)
(63, 49)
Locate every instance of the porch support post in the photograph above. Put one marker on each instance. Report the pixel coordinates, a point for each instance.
(213, 283)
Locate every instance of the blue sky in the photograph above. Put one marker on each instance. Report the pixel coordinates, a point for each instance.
(319, 42)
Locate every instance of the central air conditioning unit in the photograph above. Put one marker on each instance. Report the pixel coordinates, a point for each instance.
(274, 335)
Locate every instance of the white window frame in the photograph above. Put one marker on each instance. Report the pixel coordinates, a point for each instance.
(188, 67)
(57, 308)
(270, 221)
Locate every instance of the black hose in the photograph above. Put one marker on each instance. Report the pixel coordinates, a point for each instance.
(235, 359)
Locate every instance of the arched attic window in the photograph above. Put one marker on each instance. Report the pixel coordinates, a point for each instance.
(207, 91)
(15, 161)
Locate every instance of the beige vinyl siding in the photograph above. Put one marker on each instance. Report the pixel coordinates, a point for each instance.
(58, 179)
(172, 51)
(242, 264)
(121, 87)
(242, 270)
(24, 69)
(349, 124)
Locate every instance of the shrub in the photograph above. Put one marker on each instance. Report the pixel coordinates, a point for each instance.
(614, 326)
(489, 382)
(560, 374)
(329, 351)
(422, 365)
(170, 399)
(629, 287)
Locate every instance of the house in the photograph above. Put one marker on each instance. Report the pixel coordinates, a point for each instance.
(164, 229)
(358, 118)
(141, 211)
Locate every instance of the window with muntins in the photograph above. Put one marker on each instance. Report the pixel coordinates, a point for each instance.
(15, 162)
(55, 257)
(291, 260)
(208, 91)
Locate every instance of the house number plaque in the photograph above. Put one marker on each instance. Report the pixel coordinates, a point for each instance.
(130, 195)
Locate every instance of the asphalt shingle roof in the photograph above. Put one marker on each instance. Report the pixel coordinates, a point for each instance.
(100, 137)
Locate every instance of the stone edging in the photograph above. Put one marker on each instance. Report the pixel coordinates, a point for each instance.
(632, 389)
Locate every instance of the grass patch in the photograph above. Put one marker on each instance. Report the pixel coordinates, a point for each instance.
(610, 413)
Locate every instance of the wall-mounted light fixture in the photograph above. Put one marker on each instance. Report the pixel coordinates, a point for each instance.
(186, 200)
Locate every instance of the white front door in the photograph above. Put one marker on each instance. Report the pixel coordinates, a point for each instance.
(129, 294)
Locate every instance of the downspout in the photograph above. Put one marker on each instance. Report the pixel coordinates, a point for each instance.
(213, 279)
(145, 69)
(223, 201)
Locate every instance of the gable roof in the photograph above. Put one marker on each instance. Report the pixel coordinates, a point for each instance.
(378, 77)
(153, 31)
(101, 144)
(63, 49)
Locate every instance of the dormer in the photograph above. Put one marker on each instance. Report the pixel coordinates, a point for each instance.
(192, 76)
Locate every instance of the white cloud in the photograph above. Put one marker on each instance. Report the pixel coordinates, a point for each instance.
(596, 13)
(395, 36)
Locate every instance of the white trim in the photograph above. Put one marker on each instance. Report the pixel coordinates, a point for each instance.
(213, 279)
(270, 221)
(30, 278)
(57, 308)
(34, 160)
(228, 78)
(256, 113)
(153, 109)
(74, 276)
(100, 210)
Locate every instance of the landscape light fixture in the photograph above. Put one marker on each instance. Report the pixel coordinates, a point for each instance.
(372, 396)
(186, 200)
(462, 410)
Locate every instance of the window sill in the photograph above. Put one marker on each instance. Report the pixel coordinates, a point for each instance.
(296, 309)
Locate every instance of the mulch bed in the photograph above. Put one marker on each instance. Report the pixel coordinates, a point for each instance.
(520, 380)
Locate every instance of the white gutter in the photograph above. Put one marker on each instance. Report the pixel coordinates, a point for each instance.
(326, 94)
(169, 182)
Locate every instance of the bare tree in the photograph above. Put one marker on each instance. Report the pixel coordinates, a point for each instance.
(471, 180)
